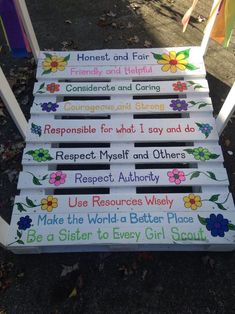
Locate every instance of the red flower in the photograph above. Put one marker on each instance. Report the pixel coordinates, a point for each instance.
(179, 86)
(53, 87)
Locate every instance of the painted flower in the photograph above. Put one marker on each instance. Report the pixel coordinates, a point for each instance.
(205, 128)
(179, 105)
(57, 178)
(49, 203)
(179, 86)
(52, 87)
(36, 129)
(192, 201)
(217, 225)
(52, 63)
(173, 62)
(24, 223)
(49, 106)
(176, 176)
(201, 153)
(41, 154)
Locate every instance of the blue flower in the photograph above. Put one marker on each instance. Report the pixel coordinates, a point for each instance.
(36, 129)
(24, 223)
(217, 225)
(205, 128)
(49, 106)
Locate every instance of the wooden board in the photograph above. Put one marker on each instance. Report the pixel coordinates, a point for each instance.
(121, 219)
(40, 179)
(47, 106)
(43, 155)
(121, 87)
(119, 130)
(124, 63)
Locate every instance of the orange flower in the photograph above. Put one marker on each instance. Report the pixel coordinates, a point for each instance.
(53, 87)
(54, 63)
(49, 203)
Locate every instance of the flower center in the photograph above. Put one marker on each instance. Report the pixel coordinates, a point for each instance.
(57, 178)
(173, 62)
(54, 64)
(192, 201)
(40, 155)
(49, 203)
(201, 154)
(178, 105)
(217, 225)
(176, 176)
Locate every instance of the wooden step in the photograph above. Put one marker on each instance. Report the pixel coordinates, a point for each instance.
(125, 63)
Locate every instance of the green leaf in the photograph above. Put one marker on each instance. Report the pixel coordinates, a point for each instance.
(185, 52)
(214, 156)
(40, 92)
(188, 150)
(30, 152)
(202, 220)
(49, 158)
(198, 86)
(220, 206)
(20, 207)
(191, 82)
(212, 175)
(19, 234)
(192, 102)
(42, 85)
(20, 242)
(44, 177)
(48, 55)
(195, 174)
(202, 105)
(67, 58)
(231, 227)
(30, 202)
(214, 198)
(191, 67)
(198, 124)
(157, 56)
(36, 181)
(46, 71)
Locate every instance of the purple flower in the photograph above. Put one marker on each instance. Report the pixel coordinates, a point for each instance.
(49, 106)
(217, 225)
(24, 223)
(179, 105)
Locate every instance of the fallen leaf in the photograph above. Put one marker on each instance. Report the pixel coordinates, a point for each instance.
(68, 21)
(207, 260)
(227, 142)
(144, 274)
(201, 18)
(230, 152)
(147, 44)
(129, 25)
(111, 14)
(114, 25)
(135, 6)
(109, 38)
(133, 40)
(73, 293)
(68, 269)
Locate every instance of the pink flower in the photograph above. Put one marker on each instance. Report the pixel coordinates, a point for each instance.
(176, 176)
(57, 178)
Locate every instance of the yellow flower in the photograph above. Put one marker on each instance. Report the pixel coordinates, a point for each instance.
(49, 203)
(54, 63)
(192, 201)
(172, 62)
